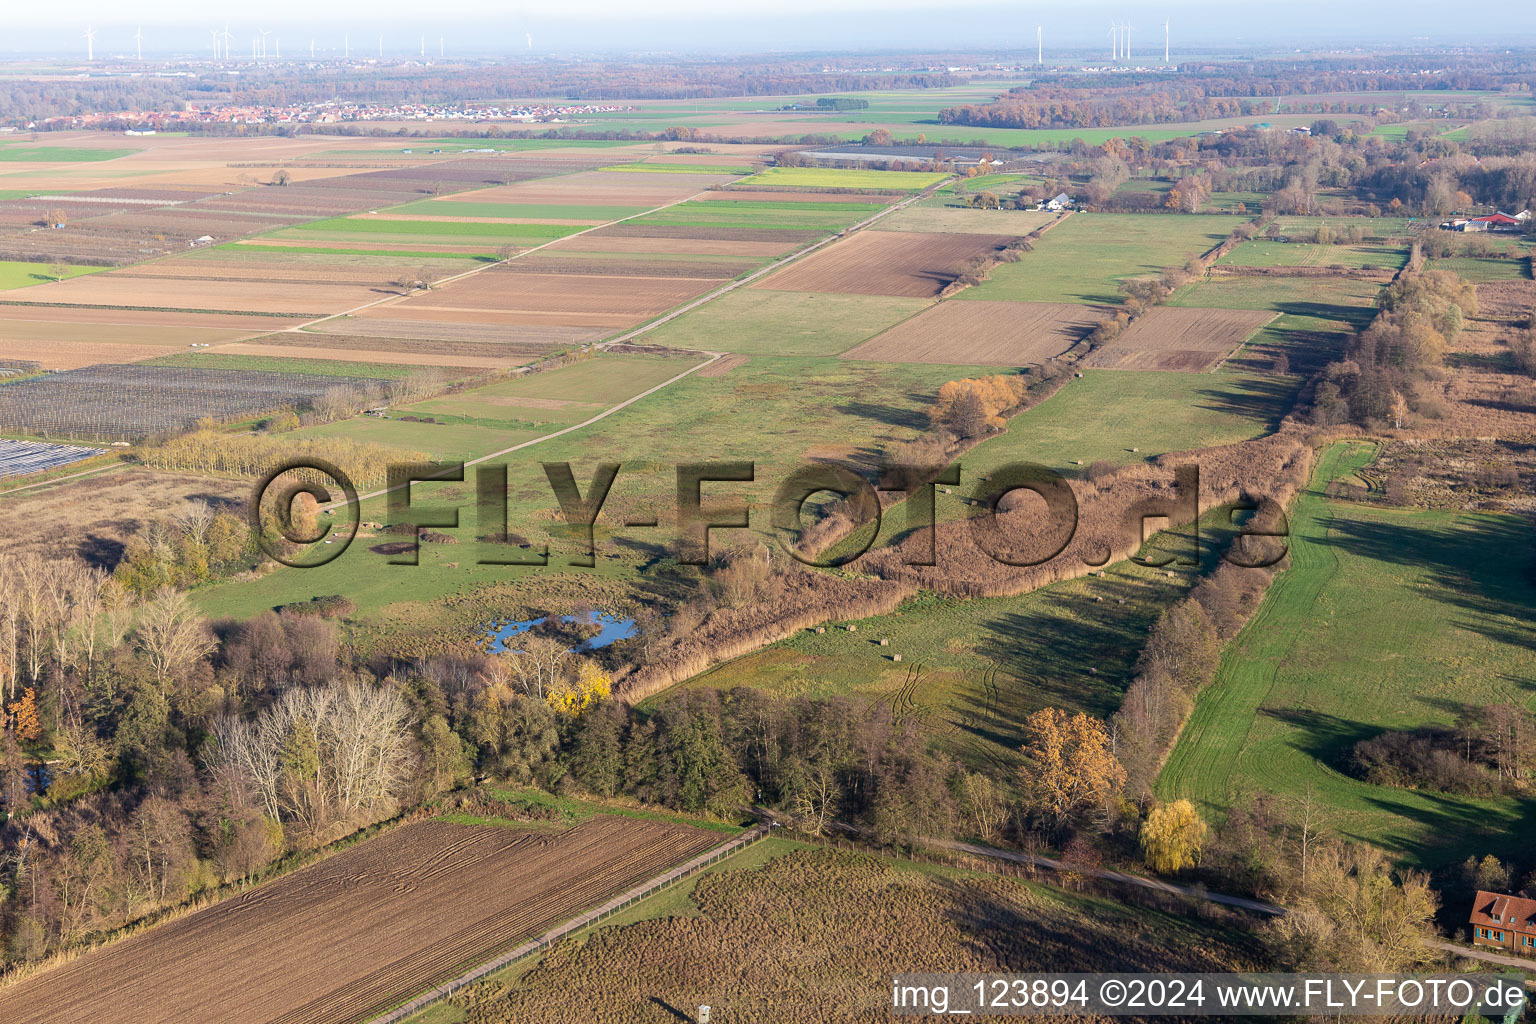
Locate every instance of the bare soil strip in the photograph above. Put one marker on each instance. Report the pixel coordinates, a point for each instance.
(1179, 339)
(982, 333)
(351, 936)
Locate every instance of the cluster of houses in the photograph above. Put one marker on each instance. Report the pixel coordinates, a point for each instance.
(1492, 222)
(148, 121)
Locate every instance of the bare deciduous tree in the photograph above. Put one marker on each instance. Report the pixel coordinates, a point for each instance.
(172, 635)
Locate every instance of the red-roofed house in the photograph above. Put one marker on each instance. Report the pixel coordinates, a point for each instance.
(1504, 922)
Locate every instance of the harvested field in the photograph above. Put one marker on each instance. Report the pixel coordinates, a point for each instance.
(901, 263)
(363, 248)
(355, 934)
(188, 293)
(66, 346)
(624, 265)
(921, 217)
(413, 346)
(106, 316)
(1506, 300)
(576, 297)
(1178, 338)
(507, 334)
(982, 334)
(104, 510)
(272, 272)
(372, 355)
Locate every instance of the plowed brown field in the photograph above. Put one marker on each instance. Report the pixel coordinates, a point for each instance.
(915, 264)
(258, 296)
(516, 298)
(345, 939)
(982, 333)
(1175, 338)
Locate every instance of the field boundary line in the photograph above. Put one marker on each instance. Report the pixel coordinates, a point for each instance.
(500, 263)
(638, 331)
(621, 902)
(770, 268)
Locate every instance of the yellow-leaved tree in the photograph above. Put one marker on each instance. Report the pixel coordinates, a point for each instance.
(1173, 837)
(1071, 765)
(591, 686)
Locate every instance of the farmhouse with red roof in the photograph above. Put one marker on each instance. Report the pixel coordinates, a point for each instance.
(1504, 922)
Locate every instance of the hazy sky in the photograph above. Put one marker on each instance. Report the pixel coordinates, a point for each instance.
(483, 26)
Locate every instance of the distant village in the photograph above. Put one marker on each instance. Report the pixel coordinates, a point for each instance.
(193, 116)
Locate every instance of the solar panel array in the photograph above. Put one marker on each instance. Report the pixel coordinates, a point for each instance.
(18, 458)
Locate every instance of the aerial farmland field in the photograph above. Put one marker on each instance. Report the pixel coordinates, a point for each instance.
(1083, 258)
(881, 353)
(349, 937)
(984, 333)
(911, 264)
(1172, 338)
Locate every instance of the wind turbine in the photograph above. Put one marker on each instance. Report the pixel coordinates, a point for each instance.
(440, 50)
(215, 33)
(90, 42)
(1127, 28)
(311, 47)
(1114, 41)
(1165, 41)
(277, 44)
(263, 51)
(346, 44)
(423, 45)
(1039, 45)
(226, 40)
(138, 40)
(381, 45)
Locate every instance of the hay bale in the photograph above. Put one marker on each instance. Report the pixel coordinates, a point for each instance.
(884, 642)
(895, 657)
(821, 629)
(852, 628)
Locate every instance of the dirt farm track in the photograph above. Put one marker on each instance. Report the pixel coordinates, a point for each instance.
(362, 931)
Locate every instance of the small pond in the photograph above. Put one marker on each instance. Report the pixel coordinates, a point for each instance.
(611, 628)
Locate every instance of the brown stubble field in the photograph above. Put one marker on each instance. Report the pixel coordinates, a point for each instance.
(364, 930)
(500, 296)
(982, 333)
(126, 288)
(900, 263)
(64, 338)
(1179, 339)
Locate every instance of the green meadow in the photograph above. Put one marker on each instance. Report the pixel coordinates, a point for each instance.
(1084, 258)
(762, 321)
(1386, 619)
